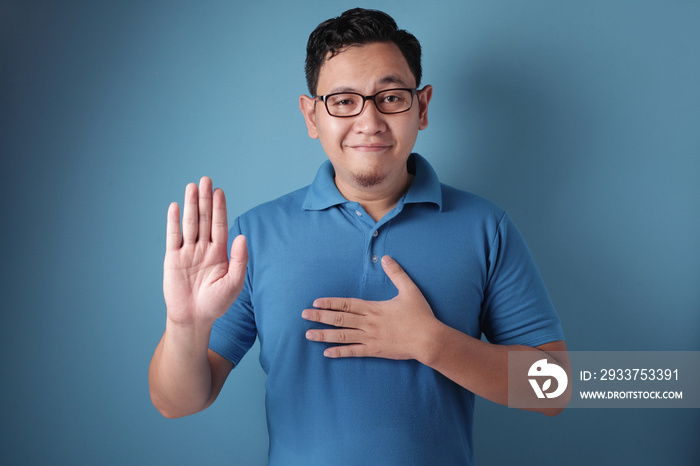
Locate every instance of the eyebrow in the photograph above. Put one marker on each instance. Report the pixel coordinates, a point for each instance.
(389, 79)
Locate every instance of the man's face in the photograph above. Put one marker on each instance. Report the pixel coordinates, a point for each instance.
(368, 151)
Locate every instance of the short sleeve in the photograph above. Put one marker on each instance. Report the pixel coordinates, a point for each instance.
(517, 309)
(233, 334)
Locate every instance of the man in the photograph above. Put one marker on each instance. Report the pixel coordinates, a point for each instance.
(369, 289)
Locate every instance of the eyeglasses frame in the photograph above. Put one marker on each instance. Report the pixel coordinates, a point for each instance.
(365, 98)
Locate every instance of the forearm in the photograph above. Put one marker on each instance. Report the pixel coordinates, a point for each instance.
(180, 376)
(476, 365)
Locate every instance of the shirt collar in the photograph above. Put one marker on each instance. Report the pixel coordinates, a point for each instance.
(425, 188)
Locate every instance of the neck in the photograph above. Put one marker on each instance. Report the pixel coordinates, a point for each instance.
(378, 200)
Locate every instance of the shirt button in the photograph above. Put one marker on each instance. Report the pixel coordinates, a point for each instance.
(375, 259)
(359, 214)
(376, 233)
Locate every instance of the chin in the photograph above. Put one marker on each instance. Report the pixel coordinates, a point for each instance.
(369, 180)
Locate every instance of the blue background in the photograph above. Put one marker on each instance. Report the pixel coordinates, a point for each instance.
(582, 119)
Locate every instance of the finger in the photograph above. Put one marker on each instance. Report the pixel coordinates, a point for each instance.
(190, 216)
(205, 214)
(219, 225)
(334, 318)
(396, 274)
(347, 351)
(239, 261)
(336, 336)
(340, 304)
(173, 236)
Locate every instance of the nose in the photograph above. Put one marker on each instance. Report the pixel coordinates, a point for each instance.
(371, 120)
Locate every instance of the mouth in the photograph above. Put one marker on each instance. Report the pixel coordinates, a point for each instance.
(377, 147)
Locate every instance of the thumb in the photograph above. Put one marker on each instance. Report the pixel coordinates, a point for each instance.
(239, 260)
(396, 274)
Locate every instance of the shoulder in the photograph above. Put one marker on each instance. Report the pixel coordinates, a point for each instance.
(271, 224)
(464, 203)
(288, 204)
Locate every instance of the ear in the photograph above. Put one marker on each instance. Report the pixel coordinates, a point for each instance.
(307, 105)
(424, 96)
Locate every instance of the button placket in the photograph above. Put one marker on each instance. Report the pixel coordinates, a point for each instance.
(376, 248)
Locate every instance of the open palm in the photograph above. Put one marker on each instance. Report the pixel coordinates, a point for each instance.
(199, 281)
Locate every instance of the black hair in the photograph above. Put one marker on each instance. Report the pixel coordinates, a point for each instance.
(358, 27)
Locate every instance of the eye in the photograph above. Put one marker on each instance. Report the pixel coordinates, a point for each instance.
(343, 100)
(391, 98)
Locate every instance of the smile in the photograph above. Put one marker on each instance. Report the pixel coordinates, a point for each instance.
(370, 147)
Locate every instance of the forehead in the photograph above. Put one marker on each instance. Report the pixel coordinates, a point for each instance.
(365, 68)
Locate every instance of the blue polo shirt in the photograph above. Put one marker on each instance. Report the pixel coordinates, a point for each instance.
(462, 251)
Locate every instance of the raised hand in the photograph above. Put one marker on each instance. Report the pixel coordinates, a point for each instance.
(199, 281)
(393, 329)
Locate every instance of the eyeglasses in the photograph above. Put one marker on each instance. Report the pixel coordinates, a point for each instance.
(350, 104)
